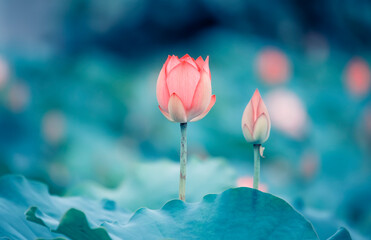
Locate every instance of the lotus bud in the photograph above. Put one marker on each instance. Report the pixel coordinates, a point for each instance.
(256, 124)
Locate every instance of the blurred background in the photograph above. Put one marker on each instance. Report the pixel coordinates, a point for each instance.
(78, 107)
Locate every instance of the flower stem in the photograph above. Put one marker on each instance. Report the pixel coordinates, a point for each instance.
(256, 166)
(183, 160)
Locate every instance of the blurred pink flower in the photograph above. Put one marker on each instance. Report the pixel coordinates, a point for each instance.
(363, 133)
(4, 72)
(184, 89)
(273, 66)
(256, 123)
(316, 46)
(287, 112)
(309, 164)
(18, 97)
(248, 182)
(367, 119)
(358, 77)
(54, 126)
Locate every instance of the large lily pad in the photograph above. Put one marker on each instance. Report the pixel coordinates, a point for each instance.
(238, 213)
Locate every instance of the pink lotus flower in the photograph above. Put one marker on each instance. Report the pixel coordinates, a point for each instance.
(184, 89)
(256, 123)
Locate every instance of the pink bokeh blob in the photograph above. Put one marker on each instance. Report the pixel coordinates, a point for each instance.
(358, 77)
(273, 66)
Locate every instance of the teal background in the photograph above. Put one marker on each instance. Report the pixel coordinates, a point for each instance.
(78, 108)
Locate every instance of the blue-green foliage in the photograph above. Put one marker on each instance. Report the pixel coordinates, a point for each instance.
(17, 194)
(341, 234)
(238, 213)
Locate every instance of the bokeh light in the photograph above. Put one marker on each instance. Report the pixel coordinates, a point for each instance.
(287, 112)
(317, 47)
(273, 66)
(18, 97)
(4, 72)
(249, 181)
(358, 77)
(309, 164)
(54, 126)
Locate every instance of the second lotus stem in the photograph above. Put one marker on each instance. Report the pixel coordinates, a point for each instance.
(256, 165)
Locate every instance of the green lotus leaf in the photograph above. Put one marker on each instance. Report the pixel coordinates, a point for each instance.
(237, 213)
(20, 197)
